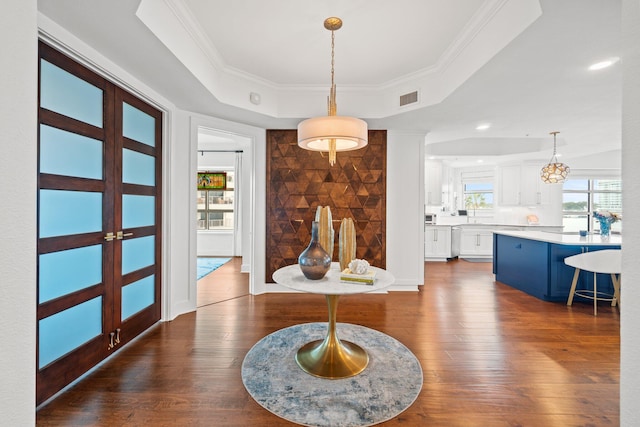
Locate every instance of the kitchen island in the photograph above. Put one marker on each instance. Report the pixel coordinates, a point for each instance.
(533, 261)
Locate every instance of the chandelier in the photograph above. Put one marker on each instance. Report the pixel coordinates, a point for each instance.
(554, 172)
(332, 133)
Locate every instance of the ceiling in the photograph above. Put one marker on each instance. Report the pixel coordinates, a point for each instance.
(520, 65)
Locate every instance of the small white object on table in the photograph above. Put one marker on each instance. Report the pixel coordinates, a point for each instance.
(331, 358)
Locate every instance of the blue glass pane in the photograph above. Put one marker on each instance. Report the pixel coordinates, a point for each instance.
(68, 271)
(138, 211)
(69, 154)
(62, 332)
(69, 212)
(138, 168)
(69, 95)
(138, 125)
(137, 253)
(137, 296)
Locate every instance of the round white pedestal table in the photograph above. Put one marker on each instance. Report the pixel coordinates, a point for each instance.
(331, 357)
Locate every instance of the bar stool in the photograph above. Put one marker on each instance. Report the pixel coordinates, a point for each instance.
(607, 261)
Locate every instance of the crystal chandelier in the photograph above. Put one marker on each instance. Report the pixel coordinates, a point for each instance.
(554, 172)
(332, 133)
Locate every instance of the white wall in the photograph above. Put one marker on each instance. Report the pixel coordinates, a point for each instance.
(179, 297)
(405, 209)
(18, 108)
(630, 311)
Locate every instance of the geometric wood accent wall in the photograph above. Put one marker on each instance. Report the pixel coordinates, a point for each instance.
(298, 181)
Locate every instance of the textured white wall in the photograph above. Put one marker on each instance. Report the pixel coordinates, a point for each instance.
(405, 209)
(18, 108)
(630, 312)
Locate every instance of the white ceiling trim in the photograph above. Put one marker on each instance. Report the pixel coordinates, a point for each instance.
(493, 27)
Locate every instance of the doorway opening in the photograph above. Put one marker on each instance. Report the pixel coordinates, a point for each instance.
(220, 204)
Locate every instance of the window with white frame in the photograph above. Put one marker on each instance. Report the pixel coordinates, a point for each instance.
(581, 197)
(477, 192)
(216, 207)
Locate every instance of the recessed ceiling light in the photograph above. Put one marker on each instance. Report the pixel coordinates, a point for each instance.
(604, 64)
(480, 161)
(483, 126)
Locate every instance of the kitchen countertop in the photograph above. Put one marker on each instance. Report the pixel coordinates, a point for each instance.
(573, 239)
(493, 225)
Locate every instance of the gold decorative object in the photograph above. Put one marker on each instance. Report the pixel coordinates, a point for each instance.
(332, 133)
(554, 172)
(332, 358)
(346, 243)
(325, 229)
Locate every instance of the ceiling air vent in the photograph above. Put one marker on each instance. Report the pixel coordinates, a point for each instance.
(408, 98)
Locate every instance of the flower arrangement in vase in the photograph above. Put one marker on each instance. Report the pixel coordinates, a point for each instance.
(606, 218)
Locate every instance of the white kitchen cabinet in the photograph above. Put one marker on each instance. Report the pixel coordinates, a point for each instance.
(476, 243)
(437, 243)
(433, 184)
(441, 242)
(520, 185)
(533, 191)
(509, 190)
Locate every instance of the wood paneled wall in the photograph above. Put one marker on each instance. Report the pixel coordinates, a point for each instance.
(298, 181)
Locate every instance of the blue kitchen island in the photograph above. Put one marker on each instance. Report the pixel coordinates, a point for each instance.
(533, 261)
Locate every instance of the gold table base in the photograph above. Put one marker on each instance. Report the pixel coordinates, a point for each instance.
(332, 358)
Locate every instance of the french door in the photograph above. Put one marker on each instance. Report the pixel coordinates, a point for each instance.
(99, 219)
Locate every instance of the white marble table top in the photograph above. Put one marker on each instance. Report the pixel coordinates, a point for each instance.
(291, 276)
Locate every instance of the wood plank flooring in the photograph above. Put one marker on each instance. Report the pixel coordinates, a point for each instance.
(491, 356)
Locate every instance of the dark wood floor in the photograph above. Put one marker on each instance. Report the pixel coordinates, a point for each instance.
(491, 356)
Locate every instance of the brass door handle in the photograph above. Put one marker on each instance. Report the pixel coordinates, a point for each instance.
(120, 235)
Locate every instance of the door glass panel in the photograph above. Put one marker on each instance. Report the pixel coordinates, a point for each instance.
(137, 253)
(138, 125)
(137, 296)
(69, 212)
(69, 154)
(138, 168)
(68, 271)
(138, 211)
(64, 331)
(68, 95)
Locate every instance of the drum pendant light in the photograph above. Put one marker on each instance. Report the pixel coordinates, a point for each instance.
(332, 133)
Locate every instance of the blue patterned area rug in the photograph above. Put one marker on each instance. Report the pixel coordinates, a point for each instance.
(389, 385)
(207, 264)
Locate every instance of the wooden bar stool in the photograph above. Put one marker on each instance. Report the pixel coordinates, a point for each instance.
(608, 261)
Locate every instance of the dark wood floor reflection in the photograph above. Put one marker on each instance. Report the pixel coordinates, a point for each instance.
(491, 356)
